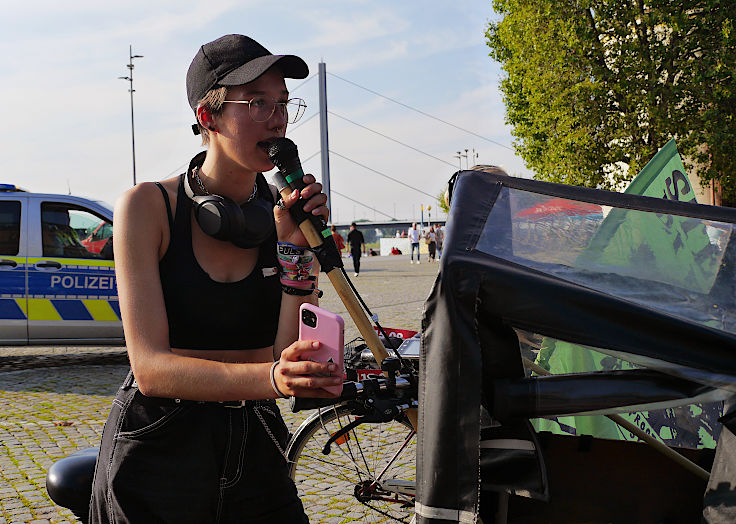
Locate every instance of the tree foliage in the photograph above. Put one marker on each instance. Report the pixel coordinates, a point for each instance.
(591, 84)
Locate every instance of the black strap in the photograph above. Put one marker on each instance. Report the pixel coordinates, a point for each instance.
(168, 209)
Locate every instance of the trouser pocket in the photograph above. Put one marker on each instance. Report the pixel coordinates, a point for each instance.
(146, 417)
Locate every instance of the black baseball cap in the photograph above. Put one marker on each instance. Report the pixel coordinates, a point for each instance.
(233, 60)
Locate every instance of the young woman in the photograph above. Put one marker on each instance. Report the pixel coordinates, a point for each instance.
(431, 239)
(211, 322)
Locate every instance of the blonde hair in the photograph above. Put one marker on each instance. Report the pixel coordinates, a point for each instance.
(214, 102)
(489, 168)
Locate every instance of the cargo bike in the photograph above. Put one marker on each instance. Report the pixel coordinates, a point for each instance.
(577, 363)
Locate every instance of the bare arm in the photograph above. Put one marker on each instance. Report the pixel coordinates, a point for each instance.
(288, 329)
(139, 229)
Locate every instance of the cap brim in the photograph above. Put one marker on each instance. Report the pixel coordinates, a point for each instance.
(290, 66)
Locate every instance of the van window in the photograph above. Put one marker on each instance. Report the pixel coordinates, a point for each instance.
(72, 232)
(9, 227)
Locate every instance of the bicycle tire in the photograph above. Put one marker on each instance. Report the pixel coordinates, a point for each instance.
(327, 483)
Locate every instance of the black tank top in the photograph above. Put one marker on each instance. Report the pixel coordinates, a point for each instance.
(206, 314)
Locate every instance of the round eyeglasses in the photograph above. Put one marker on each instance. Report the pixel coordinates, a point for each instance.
(261, 108)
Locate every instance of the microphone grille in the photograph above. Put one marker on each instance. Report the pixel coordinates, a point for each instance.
(280, 149)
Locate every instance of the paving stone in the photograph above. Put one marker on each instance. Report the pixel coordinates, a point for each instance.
(54, 400)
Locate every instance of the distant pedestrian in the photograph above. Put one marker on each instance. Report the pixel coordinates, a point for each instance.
(338, 239)
(439, 233)
(357, 246)
(431, 240)
(414, 236)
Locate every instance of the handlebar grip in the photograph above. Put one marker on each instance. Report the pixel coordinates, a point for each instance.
(349, 391)
(300, 403)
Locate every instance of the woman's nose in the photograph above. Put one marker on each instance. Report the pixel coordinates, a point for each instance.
(279, 117)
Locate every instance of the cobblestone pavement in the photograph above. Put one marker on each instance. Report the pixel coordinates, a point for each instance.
(54, 401)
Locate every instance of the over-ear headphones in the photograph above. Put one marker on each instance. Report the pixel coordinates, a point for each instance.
(246, 225)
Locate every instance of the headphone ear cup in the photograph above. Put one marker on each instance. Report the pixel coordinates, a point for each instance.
(247, 226)
(258, 224)
(211, 212)
(233, 217)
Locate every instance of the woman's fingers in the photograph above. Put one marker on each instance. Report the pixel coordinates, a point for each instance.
(299, 376)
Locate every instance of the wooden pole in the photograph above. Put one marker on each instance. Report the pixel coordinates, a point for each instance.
(346, 294)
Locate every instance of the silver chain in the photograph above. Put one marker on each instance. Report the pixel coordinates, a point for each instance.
(195, 172)
(256, 410)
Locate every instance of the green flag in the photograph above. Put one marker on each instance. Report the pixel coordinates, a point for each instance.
(669, 249)
(672, 249)
(664, 177)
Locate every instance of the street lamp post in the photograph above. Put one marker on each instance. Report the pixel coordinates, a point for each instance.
(468, 157)
(129, 78)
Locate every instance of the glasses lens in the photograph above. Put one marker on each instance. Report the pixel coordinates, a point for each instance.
(261, 109)
(295, 109)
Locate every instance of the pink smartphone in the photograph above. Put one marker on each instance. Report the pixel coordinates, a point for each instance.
(316, 323)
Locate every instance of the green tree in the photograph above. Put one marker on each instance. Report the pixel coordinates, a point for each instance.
(441, 201)
(591, 83)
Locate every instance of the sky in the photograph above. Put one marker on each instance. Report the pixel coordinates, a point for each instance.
(409, 85)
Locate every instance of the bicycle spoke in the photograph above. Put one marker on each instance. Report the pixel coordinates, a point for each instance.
(335, 468)
(342, 486)
(347, 450)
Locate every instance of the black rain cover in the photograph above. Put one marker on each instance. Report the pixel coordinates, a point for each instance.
(641, 280)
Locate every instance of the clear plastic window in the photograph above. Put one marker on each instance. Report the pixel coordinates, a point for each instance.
(666, 262)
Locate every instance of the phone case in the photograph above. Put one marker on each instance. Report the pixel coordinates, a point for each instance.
(329, 330)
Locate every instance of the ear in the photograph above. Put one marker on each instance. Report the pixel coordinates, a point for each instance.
(205, 118)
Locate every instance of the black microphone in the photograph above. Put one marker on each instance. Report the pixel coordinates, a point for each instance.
(285, 156)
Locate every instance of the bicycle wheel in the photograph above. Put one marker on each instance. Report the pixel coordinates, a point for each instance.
(369, 475)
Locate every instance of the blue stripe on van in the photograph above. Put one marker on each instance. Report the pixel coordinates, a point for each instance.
(71, 309)
(9, 310)
(115, 305)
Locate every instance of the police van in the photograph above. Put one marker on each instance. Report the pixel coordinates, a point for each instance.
(57, 276)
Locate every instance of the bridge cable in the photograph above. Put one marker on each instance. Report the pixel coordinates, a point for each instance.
(392, 139)
(421, 112)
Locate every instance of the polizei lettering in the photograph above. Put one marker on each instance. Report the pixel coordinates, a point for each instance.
(83, 282)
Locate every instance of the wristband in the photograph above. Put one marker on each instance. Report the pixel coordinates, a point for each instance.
(301, 292)
(273, 381)
(289, 290)
(295, 264)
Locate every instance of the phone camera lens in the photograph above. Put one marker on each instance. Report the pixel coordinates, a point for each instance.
(309, 318)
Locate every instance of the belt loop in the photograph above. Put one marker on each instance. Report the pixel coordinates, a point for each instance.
(236, 404)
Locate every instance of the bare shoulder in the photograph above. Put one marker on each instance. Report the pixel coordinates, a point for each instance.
(141, 216)
(146, 198)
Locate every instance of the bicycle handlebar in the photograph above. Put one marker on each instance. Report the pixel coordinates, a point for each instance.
(352, 390)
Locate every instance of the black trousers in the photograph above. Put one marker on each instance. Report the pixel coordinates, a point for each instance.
(355, 253)
(163, 461)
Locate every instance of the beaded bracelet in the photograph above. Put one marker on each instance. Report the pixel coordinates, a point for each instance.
(295, 269)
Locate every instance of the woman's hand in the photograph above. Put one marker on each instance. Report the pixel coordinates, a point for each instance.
(286, 229)
(297, 376)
